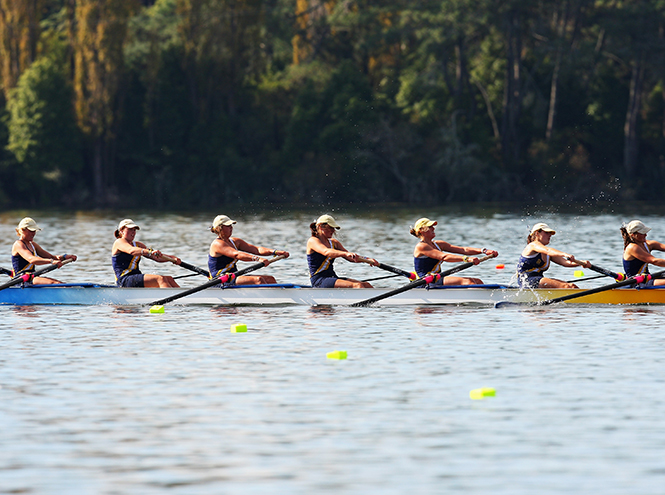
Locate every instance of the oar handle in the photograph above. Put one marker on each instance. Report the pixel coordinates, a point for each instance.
(215, 281)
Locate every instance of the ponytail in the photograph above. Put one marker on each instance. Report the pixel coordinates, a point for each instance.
(626, 237)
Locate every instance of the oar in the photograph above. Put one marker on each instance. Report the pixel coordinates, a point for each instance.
(417, 283)
(570, 281)
(186, 265)
(215, 281)
(388, 268)
(25, 277)
(380, 278)
(608, 273)
(5, 271)
(639, 279)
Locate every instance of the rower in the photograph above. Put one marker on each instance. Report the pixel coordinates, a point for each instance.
(637, 251)
(26, 253)
(323, 249)
(225, 252)
(429, 254)
(126, 256)
(536, 257)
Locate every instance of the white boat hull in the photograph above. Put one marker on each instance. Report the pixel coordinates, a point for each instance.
(89, 294)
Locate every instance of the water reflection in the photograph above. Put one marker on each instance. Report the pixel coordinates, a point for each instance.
(220, 311)
(321, 311)
(632, 313)
(29, 311)
(129, 310)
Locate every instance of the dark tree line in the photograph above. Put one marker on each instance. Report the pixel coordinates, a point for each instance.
(196, 103)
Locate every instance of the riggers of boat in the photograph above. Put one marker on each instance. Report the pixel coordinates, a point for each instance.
(288, 294)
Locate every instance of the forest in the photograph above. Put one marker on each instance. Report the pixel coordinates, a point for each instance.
(184, 104)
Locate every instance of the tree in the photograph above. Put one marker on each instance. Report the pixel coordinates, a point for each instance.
(19, 34)
(97, 35)
(43, 135)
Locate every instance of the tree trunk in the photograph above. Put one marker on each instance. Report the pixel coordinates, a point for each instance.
(631, 138)
(98, 171)
(551, 114)
(512, 101)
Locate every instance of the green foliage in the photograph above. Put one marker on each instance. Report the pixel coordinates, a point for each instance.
(42, 134)
(201, 102)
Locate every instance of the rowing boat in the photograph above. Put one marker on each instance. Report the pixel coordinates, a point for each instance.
(286, 294)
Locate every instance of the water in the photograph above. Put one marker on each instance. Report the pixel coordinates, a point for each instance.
(107, 400)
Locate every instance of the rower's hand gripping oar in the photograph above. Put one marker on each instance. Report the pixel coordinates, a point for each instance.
(227, 277)
(26, 277)
(388, 268)
(421, 281)
(639, 279)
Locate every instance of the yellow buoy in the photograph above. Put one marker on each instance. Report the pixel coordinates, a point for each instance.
(157, 309)
(336, 355)
(238, 328)
(481, 393)
(579, 273)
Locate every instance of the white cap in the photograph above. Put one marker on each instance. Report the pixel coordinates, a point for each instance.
(637, 227)
(542, 226)
(128, 223)
(328, 220)
(222, 220)
(28, 224)
(421, 223)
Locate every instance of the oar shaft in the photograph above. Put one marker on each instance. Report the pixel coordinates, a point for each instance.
(398, 271)
(616, 276)
(186, 265)
(608, 273)
(389, 268)
(195, 269)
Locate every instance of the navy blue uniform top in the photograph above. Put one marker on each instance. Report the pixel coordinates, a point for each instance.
(320, 265)
(533, 266)
(21, 265)
(125, 264)
(636, 266)
(425, 266)
(219, 265)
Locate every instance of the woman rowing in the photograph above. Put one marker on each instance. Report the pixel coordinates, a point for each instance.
(126, 255)
(26, 253)
(323, 249)
(226, 251)
(429, 254)
(536, 257)
(637, 251)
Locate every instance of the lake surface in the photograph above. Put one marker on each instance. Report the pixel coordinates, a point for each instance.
(112, 400)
